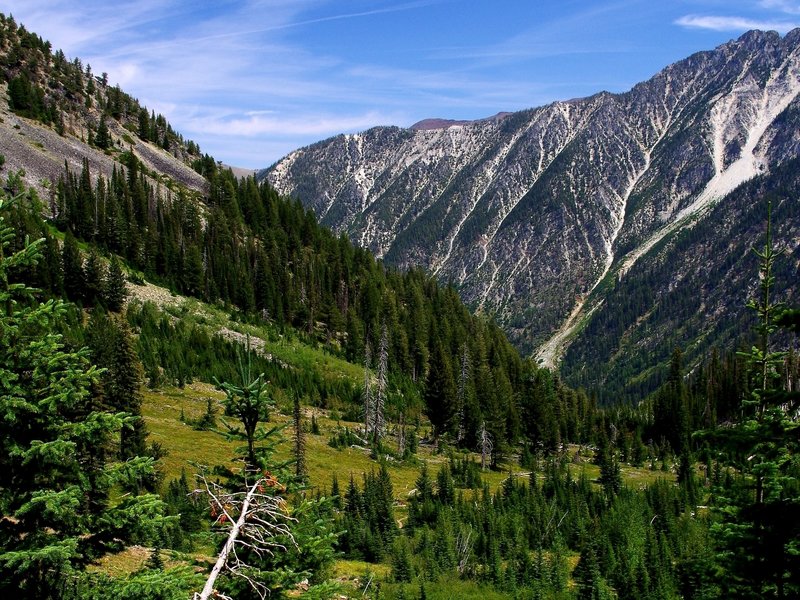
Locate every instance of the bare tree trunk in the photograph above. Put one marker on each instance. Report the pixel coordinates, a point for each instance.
(365, 392)
(222, 559)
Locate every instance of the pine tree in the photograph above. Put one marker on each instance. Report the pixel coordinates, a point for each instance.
(759, 531)
(610, 472)
(52, 437)
(249, 402)
(300, 469)
(102, 138)
(440, 391)
(115, 290)
(94, 275)
(336, 493)
(112, 347)
(463, 383)
(402, 569)
(72, 268)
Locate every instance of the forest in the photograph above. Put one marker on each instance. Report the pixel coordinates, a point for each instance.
(514, 485)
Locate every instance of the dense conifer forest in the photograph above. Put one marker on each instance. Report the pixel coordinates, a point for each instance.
(521, 487)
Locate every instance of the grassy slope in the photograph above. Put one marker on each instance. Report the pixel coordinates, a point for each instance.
(187, 447)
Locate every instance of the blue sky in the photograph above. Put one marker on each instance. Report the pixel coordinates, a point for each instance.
(250, 81)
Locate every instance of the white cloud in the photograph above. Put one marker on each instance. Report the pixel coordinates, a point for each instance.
(792, 8)
(719, 23)
(250, 125)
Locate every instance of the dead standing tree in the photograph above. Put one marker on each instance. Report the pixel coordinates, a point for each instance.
(257, 519)
(486, 445)
(366, 396)
(379, 404)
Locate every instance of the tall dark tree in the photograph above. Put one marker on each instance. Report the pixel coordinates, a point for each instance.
(115, 289)
(759, 531)
(72, 268)
(52, 437)
(94, 275)
(102, 139)
(113, 349)
(440, 391)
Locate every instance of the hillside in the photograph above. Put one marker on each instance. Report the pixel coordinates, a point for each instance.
(181, 220)
(538, 216)
(41, 87)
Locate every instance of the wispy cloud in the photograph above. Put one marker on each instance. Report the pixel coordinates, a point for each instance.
(786, 6)
(250, 80)
(720, 23)
(254, 125)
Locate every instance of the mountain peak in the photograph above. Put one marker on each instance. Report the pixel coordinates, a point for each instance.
(437, 123)
(549, 222)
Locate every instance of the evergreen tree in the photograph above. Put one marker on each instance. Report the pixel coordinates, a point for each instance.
(759, 531)
(52, 459)
(440, 391)
(113, 349)
(402, 569)
(102, 138)
(115, 290)
(249, 402)
(94, 275)
(72, 268)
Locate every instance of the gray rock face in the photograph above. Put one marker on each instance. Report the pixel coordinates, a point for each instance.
(534, 215)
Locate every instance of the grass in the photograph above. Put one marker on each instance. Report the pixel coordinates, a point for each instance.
(187, 447)
(284, 345)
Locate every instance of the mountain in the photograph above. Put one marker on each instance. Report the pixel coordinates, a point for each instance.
(612, 228)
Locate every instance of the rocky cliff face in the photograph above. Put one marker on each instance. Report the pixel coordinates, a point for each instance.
(539, 216)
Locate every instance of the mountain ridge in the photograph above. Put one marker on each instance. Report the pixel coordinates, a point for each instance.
(530, 213)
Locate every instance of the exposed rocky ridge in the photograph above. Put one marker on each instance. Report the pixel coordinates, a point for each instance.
(59, 109)
(41, 152)
(533, 215)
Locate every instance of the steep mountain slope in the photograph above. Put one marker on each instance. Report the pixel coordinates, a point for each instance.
(534, 214)
(55, 113)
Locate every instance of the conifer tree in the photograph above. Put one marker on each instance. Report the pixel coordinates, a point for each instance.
(72, 268)
(759, 531)
(300, 470)
(250, 402)
(112, 347)
(440, 391)
(115, 290)
(102, 138)
(51, 448)
(94, 275)
(463, 383)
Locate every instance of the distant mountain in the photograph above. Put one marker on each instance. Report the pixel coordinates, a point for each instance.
(601, 232)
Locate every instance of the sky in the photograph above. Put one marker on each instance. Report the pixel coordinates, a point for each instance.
(252, 80)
